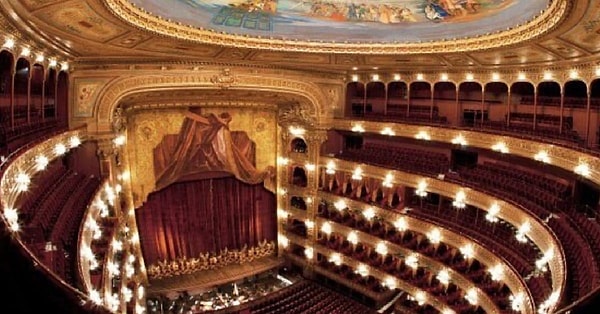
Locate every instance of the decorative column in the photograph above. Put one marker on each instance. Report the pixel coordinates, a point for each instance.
(283, 202)
(587, 115)
(562, 106)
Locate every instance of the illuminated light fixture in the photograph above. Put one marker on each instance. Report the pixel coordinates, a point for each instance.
(521, 76)
(309, 200)
(52, 63)
(22, 180)
(358, 128)
(282, 161)
(547, 305)
(460, 200)
(375, 77)
(362, 270)
(309, 223)
(547, 76)
(422, 135)
(573, 74)
(125, 175)
(516, 301)
(396, 77)
(354, 68)
(500, 147)
(117, 245)
(352, 237)
(282, 213)
(412, 261)
(87, 253)
(283, 191)
(381, 248)
(369, 213)
(495, 76)
(496, 272)
(434, 236)
(9, 43)
(542, 156)
(540, 264)
(471, 296)
(330, 168)
(336, 259)
(311, 167)
(597, 71)
(25, 51)
(400, 224)
(140, 291)
(357, 174)
(492, 213)
(112, 302)
(113, 268)
(522, 231)
(129, 270)
(390, 282)
(95, 297)
(135, 238)
(583, 169)
(326, 228)
(39, 58)
(131, 259)
(388, 131)
(127, 294)
(448, 311)
(470, 76)
(459, 140)
(283, 240)
(388, 181)
(297, 131)
(354, 78)
(467, 251)
(444, 77)
(74, 141)
(118, 188)
(41, 162)
(421, 190)
(60, 149)
(120, 140)
(443, 276)
(419, 76)
(420, 297)
(309, 253)
(139, 309)
(64, 66)
(340, 205)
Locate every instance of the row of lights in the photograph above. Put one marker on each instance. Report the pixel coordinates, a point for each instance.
(543, 155)
(10, 43)
(443, 77)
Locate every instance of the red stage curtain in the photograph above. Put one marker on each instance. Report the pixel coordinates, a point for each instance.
(193, 217)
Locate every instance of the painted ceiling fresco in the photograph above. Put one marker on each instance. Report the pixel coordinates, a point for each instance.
(350, 20)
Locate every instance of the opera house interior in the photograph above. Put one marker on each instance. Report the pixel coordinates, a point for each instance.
(291, 156)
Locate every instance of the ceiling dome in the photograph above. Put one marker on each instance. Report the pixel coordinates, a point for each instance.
(356, 26)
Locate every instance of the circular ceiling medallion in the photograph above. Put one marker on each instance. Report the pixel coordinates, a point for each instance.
(347, 26)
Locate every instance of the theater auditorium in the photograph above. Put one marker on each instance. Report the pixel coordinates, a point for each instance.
(305, 157)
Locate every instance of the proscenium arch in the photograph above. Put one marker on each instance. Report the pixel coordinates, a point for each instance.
(114, 91)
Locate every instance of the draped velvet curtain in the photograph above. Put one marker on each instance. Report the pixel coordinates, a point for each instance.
(193, 217)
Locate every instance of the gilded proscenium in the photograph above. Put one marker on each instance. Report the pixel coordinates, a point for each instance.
(561, 156)
(378, 274)
(432, 265)
(541, 235)
(511, 277)
(138, 17)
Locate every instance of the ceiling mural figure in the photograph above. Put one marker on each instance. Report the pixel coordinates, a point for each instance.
(351, 20)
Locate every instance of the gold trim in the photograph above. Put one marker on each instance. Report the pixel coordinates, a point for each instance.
(140, 18)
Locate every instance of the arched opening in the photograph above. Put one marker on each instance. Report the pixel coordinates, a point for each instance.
(22, 73)
(521, 100)
(299, 177)
(574, 120)
(355, 99)
(575, 94)
(50, 95)
(6, 84)
(496, 101)
(544, 118)
(62, 98)
(37, 91)
(299, 146)
(595, 105)
(420, 103)
(375, 102)
(397, 99)
(444, 101)
(470, 98)
(298, 202)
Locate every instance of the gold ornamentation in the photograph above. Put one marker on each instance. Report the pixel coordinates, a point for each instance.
(223, 80)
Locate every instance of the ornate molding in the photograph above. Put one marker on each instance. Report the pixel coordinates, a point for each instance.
(142, 19)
